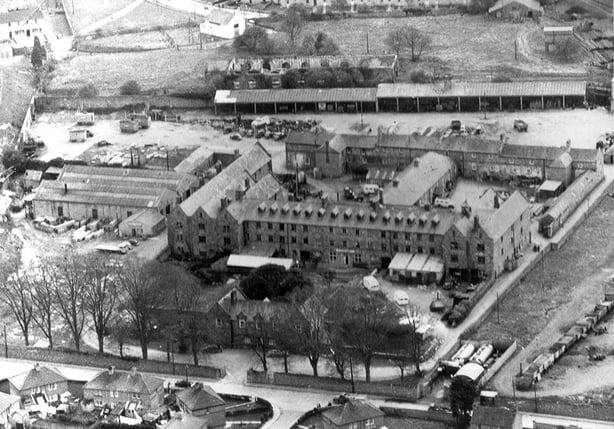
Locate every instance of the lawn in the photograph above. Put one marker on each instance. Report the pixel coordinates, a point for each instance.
(171, 70)
(85, 12)
(148, 15)
(466, 46)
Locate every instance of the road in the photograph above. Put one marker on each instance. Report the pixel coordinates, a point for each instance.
(104, 21)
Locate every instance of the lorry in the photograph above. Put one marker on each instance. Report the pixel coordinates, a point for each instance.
(114, 248)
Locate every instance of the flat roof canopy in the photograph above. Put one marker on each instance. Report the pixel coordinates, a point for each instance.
(550, 186)
(416, 262)
(248, 261)
(300, 95)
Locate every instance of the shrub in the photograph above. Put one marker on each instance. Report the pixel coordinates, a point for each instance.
(420, 76)
(88, 91)
(130, 87)
(363, 8)
(291, 79)
(501, 77)
(14, 158)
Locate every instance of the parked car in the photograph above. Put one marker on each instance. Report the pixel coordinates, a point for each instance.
(444, 202)
(521, 125)
(371, 283)
(88, 133)
(102, 143)
(456, 125)
(401, 298)
(235, 136)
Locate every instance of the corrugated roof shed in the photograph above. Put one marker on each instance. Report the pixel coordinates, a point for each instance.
(482, 89)
(301, 95)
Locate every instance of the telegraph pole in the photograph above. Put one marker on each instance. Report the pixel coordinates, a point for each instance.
(6, 346)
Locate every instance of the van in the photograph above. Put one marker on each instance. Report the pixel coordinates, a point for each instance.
(369, 188)
(370, 283)
(444, 202)
(401, 298)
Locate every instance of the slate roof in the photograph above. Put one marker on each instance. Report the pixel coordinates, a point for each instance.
(36, 377)
(265, 189)
(416, 180)
(220, 16)
(199, 397)
(583, 155)
(532, 152)
(299, 95)
(493, 417)
(251, 309)
(351, 412)
(125, 382)
(503, 218)
(310, 138)
(145, 217)
(209, 196)
(194, 160)
(20, 15)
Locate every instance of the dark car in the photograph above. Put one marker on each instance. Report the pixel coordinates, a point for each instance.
(88, 133)
(521, 125)
(102, 143)
(456, 125)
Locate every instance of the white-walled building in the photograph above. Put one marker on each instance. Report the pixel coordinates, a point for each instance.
(223, 23)
(21, 26)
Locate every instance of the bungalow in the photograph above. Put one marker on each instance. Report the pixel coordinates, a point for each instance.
(8, 405)
(353, 415)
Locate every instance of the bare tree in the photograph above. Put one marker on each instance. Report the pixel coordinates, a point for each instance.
(15, 292)
(396, 39)
(142, 295)
(260, 341)
(293, 24)
(100, 295)
(312, 319)
(565, 48)
(120, 329)
(417, 42)
(68, 276)
(42, 295)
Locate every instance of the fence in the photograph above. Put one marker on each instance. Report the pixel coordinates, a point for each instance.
(429, 415)
(72, 357)
(411, 393)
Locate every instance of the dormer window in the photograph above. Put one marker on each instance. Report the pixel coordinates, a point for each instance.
(273, 208)
(286, 208)
(308, 211)
(262, 208)
(347, 214)
(422, 219)
(360, 215)
(387, 216)
(321, 212)
(297, 210)
(373, 216)
(411, 218)
(399, 217)
(334, 212)
(435, 221)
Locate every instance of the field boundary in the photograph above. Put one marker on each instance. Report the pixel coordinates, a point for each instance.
(118, 102)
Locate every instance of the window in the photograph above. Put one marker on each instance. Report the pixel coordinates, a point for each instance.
(242, 324)
(407, 236)
(270, 238)
(331, 230)
(258, 326)
(332, 257)
(357, 232)
(226, 241)
(357, 258)
(370, 423)
(258, 225)
(431, 238)
(281, 226)
(344, 230)
(218, 323)
(481, 260)
(395, 235)
(480, 247)
(201, 226)
(269, 225)
(292, 227)
(383, 234)
(344, 243)
(275, 326)
(293, 240)
(383, 246)
(408, 248)
(179, 225)
(474, 167)
(305, 228)
(453, 245)
(179, 236)
(226, 228)
(202, 239)
(332, 243)
(258, 237)
(306, 240)
(453, 258)
(420, 249)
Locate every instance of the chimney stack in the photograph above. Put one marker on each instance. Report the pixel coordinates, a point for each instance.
(111, 370)
(236, 154)
(133, 371)
(37, 367)
(476, 222)
(65, 188)
(568, 146)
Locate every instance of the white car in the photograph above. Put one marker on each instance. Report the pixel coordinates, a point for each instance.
(401, 298)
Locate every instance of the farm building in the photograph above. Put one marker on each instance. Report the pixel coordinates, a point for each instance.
(552, 35)
(145, 223)
(84, 118)
(477, 96)
(226, 24)
(20, 26)
(31, 178)
(407, 97)
(257, 101)
(77, 135)
(129, 126)
(198, 162)
(515, 9)
(114, 193)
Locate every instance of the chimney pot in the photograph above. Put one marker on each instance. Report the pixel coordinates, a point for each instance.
(476, 222)
(111, 370)
(133, 371)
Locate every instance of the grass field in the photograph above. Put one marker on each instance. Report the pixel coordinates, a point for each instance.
(143, 40)
(176, 71)
(463, 45)
(85, 12)
(149, 15)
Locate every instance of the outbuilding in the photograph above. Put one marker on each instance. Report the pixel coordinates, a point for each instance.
(515, 9)
(32, 178)
(145, 223)
(226, 24)
(77, 135)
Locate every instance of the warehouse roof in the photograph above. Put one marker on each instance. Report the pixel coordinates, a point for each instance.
(482, 89)
(301, 95)
(145, 217)
(194, 160)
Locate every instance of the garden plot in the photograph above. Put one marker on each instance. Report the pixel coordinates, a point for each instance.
(150, 16)
(143, 41)
(85, 12)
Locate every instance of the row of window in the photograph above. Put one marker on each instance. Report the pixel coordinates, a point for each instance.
(48, 388)
(242, 323)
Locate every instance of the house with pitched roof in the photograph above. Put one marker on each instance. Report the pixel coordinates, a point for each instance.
(21, 26)
(430, 176)
(301, 148)
(37, 380)
(223, 23)
(353, 415)
(201, 401)
(114, 388)
(485, 417)
(205, 224)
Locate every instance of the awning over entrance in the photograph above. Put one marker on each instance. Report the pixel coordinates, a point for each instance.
(416, 267)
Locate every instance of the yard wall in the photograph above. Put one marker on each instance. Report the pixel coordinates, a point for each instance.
(119, 102)
(491, 371)
(335, 384)
(430, 415)
(72, 357)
